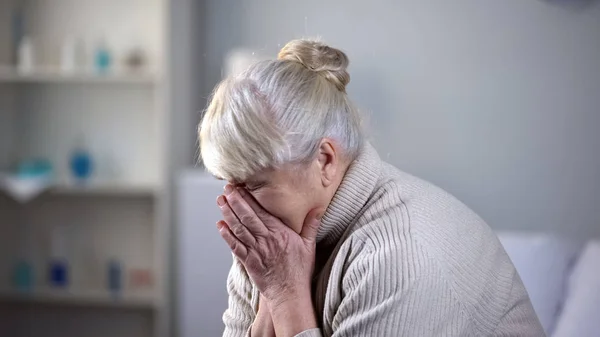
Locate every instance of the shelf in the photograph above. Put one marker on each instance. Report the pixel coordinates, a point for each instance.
(26, 190)
(81, 298)
(52, 75)
(104, 189)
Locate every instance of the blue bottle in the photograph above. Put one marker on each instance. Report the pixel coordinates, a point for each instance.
(23, 276)
(102, 58)
(58, 266)
(115, 277)
(81, 165)
(58, 274)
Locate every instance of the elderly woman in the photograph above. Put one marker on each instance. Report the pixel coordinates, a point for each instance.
(329, 240)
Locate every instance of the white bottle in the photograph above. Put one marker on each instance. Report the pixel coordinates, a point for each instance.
(59, 242)
(68, 57)
(26, 59)
(72, 55)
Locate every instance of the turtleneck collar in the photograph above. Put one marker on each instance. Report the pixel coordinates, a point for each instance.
(351, 196)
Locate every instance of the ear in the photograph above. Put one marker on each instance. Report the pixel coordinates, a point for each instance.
(328, 160)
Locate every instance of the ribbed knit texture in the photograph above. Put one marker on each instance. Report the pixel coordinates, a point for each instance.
(397, 256)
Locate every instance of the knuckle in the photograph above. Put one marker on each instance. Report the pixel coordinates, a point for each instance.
(226, 210)
(283, 238)
(261, 216)
(246, 218)
(258, 210)
(238, 231)
(234, 200)
(255, 262)
(238, 250)
(265, 216)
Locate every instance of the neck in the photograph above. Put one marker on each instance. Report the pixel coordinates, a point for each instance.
(358, 181)
(337, 181)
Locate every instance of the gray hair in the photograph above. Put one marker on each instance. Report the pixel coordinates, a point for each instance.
(277, 112)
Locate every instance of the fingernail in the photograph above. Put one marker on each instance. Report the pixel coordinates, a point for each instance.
(219, 225)
(221, 201)
(228, 189)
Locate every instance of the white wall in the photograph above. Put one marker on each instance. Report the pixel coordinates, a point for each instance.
(496, 101)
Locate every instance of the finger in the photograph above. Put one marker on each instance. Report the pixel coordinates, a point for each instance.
(244, 212)
(311, 225)
(256, 207)
(237, 228)
(236, 246)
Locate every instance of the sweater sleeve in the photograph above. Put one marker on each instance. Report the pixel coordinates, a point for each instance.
(239, 315)
(395, 289)
(519, 318)
(310, 333)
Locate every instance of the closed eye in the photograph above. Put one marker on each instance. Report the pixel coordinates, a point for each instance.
(255, 186)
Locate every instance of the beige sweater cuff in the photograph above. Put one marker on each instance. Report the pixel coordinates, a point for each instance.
(310, 333)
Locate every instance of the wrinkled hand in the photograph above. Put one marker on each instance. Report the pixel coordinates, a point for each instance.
(279, 261)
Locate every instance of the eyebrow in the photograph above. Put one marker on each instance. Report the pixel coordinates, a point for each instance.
(234, 183)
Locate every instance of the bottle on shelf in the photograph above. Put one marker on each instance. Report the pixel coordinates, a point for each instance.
(140, 278)
(17, 31)
(26, 56)
(102, 58)
(72, 55)
(81, 162)
(115, 276)
(135, 59)
(58, 271)
(23, 277)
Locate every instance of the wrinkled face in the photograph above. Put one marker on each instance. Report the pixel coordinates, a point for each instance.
(288, 193)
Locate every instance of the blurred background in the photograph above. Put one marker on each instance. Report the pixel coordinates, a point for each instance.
(107, 219)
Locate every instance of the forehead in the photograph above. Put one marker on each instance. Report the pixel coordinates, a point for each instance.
(277, 176)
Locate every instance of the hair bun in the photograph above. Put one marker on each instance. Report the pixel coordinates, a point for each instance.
(330, 62)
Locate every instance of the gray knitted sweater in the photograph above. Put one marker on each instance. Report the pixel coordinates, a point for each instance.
(397, 256)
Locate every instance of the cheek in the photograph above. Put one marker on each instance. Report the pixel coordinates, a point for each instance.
(275, 203)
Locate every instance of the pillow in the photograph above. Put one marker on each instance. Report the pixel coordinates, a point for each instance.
(543, 261)
(581, 312)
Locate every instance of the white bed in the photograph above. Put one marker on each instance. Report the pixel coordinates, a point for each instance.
(562, 277)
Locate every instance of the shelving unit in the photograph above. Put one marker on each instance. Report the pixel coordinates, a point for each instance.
(121, 117)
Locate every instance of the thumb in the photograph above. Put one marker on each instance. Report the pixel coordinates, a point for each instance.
(311, 224)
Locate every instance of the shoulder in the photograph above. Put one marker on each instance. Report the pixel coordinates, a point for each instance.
(383, 240)
(416, 225)
(407, 209)
(421, 230)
